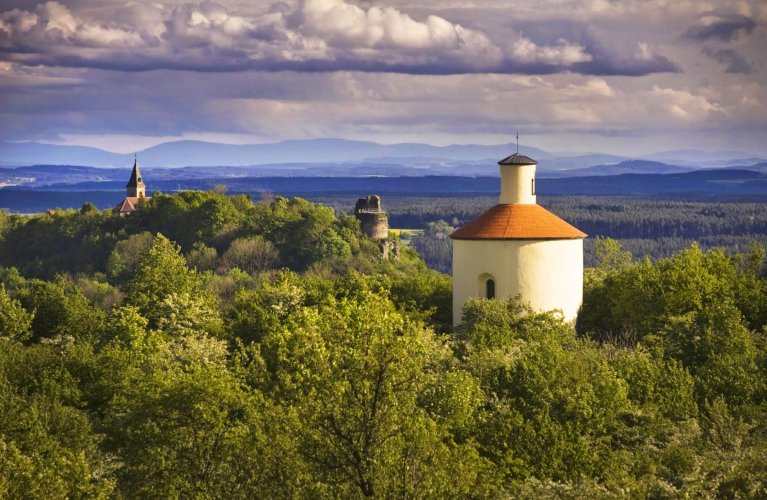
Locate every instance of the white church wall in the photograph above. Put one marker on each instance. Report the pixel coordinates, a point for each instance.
(547, 274)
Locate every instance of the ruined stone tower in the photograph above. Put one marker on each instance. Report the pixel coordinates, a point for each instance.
(374, 220)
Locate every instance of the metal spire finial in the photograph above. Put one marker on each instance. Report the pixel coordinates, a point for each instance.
(517, 141)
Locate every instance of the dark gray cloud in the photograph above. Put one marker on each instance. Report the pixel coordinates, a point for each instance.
(735, 63)
(607, 65)
(621, 58)
(721, 27)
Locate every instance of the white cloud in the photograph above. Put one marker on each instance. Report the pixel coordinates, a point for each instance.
(310, 35)
(683, 105)
(17, 21)
(563, 53)
(207, 22)
(375, 32)
(57, 16)
(346, 24)
(52, 24)
(593, 87)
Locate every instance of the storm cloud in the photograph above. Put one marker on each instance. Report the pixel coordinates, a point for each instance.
(735, 62)
(571, 75)
(721, 27)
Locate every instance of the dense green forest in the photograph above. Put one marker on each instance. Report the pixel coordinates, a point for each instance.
(655, 227)
(210, 347)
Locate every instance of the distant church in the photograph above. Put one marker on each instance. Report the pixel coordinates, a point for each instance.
(519, 248)
(136, 192)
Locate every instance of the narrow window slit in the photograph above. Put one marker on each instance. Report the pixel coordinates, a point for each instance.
(490, 289)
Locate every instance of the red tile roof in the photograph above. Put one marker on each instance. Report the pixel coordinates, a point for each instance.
(517, 222)
(129, 204)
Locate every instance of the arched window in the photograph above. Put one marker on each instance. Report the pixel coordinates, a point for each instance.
(490, 289)
(533, 187)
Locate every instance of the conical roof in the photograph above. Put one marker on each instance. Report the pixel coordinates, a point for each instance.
(135, 176)
(517, 221)
(517, 159)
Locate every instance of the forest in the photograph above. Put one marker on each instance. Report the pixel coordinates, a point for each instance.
(209, 346)
(656, 227)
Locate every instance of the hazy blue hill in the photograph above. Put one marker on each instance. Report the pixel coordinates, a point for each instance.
(719, 182)
(61, 174)
(624, 167)
(702, 159)
(579, 161)
(32, 153)
(62, 171)
(199, 153)
(304, 155)
(759, 167)
(746, 162)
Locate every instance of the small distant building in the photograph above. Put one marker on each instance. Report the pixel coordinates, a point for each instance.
(519, 248)
(136, 193)
(373, 219)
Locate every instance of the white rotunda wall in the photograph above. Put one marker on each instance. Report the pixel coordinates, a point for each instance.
(547, 274)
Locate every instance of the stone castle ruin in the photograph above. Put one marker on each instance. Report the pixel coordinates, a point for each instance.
(373, 220)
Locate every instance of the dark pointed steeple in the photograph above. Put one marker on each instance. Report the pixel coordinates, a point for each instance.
(136, 187)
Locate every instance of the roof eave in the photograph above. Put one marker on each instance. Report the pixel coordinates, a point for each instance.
(537, 238)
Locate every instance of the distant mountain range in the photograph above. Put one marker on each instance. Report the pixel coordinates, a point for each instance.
(345, 157)
(705, 159)
(199, 153)
(77, 177)
(624, 167)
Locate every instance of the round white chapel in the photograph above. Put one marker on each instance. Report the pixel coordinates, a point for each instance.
(519, 248)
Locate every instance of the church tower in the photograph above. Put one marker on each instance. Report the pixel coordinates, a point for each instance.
(136, 187)
(519, 248)
(135, 191)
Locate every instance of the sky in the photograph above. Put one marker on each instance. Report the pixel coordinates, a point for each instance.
(628, 77)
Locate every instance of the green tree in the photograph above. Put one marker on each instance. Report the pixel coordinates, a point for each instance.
(202, 258)
(257, 312)
(61, 310)
(303, 232)
(252, 255)
(554, 403)
(664, 384)
(124, 260)
(48, 448)
(190, 217)
(717, 347)
(178, 421)
(185, 314)
(88, 208)
(15, 321)
(163, 272)
(427, 292)
(357, 370)
(609, 254)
